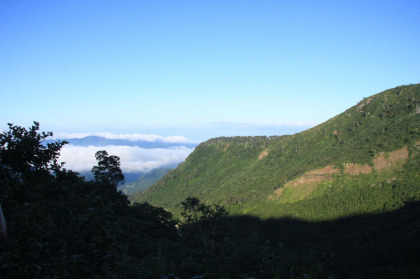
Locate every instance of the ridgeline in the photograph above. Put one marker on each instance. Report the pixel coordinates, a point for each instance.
(340, 200)
(364, 160)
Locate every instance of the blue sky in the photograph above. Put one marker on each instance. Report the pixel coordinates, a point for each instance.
(199, 69)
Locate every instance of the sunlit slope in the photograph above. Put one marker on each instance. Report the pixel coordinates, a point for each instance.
(253, 175)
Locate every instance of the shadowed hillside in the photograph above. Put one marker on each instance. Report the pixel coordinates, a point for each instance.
(61, 226)
(383, 245)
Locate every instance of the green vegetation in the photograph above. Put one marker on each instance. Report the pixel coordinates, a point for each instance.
(341, 200)
(60, 226)
(345, 195)
(242, 173)
(144, 181)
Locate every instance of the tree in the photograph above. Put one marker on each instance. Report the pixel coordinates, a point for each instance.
(203, 220)
(22, 152)
(108, 170)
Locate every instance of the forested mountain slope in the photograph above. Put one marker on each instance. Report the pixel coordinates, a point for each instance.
(363, 163)
(363, 160)
(145, 180)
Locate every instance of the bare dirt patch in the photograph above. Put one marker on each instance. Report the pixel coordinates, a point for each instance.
(313, 177)
(263, 154)
(276, 194)
(356, 169)
(279, 191)
(386, 161)
(308, 181)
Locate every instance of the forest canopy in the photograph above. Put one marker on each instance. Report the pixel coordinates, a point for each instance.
(61, 226)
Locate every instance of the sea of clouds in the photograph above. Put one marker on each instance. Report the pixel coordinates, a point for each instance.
(131, 137)
(132, 158)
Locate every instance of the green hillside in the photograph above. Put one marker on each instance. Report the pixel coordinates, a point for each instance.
(363, 160)
(144, 181)
(345, 201)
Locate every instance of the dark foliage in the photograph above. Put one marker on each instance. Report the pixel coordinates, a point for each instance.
(22, 153)
(60, 226)
(108, 170)
(200, 223)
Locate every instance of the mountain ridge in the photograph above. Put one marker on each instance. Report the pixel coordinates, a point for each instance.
(102, 141)
(242, 172)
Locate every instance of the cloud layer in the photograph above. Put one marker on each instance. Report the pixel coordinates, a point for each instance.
(132, 137)
(133, 159)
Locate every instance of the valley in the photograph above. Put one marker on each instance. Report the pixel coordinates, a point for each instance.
(340, 200)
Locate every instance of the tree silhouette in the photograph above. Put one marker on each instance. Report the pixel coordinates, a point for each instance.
(201, 221)
(108, 170)
(22, 152)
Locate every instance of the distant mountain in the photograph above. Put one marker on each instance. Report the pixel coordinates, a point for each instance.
(362, 161)
(144, 181)
(101, 141)
(129, 177)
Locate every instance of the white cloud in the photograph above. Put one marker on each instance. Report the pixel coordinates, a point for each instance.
(132, 137)
(82, 158)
